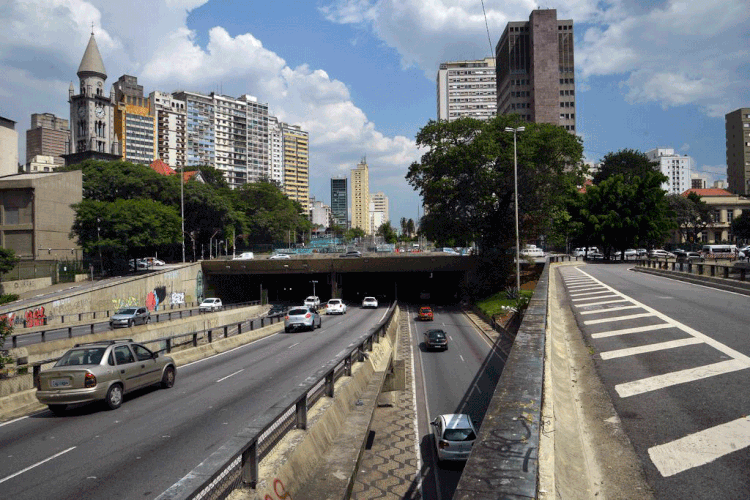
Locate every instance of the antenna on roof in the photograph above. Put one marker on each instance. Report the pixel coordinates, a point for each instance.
(487, 26)
(92, 28)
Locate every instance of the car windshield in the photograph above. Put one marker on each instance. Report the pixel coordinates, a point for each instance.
(436, 334)
(209, 301)
(425, 310)
(334, 302)
(370, 299)
(459, 435)
(128, 310)
(297, 312)
(84, 356)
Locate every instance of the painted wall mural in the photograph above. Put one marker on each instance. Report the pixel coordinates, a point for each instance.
(178, 298)
(156, 297)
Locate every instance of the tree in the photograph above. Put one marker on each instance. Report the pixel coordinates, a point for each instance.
(8, 260)
(270, 214)
(354, 233)
(466, 178)
(741, 225)
(692, 215)
(114, 180)
(387, 232)
(410, 229)
(631, 163)
(404, 227)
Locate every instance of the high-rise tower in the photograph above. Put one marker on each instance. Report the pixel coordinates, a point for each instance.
(361, 197)
(737, 127)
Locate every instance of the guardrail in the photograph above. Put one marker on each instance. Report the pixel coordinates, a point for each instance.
(699, 268)
(179, 313)
(236, 462)
(195, 339)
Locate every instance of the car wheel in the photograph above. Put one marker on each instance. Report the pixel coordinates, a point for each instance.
(130, 323)
(167, 379)
(114, 397)
(57, 409)
(148, 319)
(286, 330)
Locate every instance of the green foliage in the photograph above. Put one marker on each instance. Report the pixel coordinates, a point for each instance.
(741, 225)
(692, 215)
(466, 178)
(8, 260)
(354, 233)
(630, 163)
(8, 297)
(387, 232)
(501, 303)
(117, 180)
(6, 329)
(269, 213)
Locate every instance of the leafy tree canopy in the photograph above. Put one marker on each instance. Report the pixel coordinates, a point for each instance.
(270, 214)
(113, 180)
(8, 260)
(691, 214)
(387, 232)
(741, 225)
(628, 162)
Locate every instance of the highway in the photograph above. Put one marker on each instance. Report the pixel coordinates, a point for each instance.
(459, 380)
(674, 358)
(159, 435)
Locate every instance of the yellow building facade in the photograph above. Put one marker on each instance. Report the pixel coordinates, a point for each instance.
(135, 129)
(361, 197)
(296, 161)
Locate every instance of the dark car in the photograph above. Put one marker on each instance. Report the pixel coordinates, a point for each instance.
(277, 310)
(684, 256)
(435, 339)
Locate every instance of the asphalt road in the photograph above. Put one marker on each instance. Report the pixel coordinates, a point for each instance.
(158, 435)
(674, 358)
(459, 380)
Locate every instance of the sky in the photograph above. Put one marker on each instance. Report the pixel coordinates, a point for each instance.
(359, 75)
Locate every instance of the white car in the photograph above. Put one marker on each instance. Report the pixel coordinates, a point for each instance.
(210, 304)
(454, 436)
(312, 301)
(370, 302)
(335, 306)
(245, 256)
(660, 254)
(279, 256)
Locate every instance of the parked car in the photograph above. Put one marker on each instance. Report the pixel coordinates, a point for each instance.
(447, 250)
(276, 310)
(103, 371)
(631, 253)
(532, 251)
(581, 251)
(312, 301)
(370, 302)
(279, 256)
(660, 254)
(685, 256)
(153, 262)
(454, 435)
(137, 264)
(129, 316)
(425, 313)
(436, 339)
(335, 306)
(210, 304)
(301, 317)
(351, 253)
(245, 256)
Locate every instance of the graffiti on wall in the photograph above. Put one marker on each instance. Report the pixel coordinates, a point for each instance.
(156, 297)
(279, 491)
(12, 319)
(125, 302)
(178, 298)
(35, 317)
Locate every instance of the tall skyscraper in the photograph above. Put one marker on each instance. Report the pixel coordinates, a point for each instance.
(535, 70)
(92, 113)
(737, 126)
(258, 157)
(676, 167)
(378, 210)
(170, 118)
(339, 201)
(466, 89)
(48, 136)
(296, 164)
(361, 197)
(200, 148)
(134, 122)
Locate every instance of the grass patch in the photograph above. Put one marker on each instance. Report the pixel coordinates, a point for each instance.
(499, 304)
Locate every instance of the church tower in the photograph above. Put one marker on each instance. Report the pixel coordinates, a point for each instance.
(92, 115)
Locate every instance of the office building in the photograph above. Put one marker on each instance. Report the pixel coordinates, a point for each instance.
(258, 157)
(170, 119)
(134, 122)
(340, 201)
(8, 147)
(320, 213)
(92, 112)
(49, 135)
(40, 163)
(296, 164)
(378, 210)
(676, 167)
(535, 70)
(200, 146)
(467, 89)
(361, 197)
(737, 126)
(698, 181)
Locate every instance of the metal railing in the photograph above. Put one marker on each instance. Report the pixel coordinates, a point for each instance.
(729, 271)
(178, 314)
(236, 462)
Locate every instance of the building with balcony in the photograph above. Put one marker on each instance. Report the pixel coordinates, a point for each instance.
(296, 164)
(134, 121)
(170, 119)
(275, 151)
(467, 89)
(378, 210)
(678, 169)
(258, 147)
(200, 147)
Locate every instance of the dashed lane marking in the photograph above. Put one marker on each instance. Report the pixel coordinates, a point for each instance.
(657, 382)
(617, 318)
(609, 309)
(632, 351)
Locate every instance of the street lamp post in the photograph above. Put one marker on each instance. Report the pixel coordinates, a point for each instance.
(313, 282)
(515, 199)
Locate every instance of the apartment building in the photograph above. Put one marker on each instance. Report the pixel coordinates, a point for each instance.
(320, 213)
(200, 143)
(340, 201)
(48, 135)
(170, 118)
(275, 151)
(361, 197)
(378, 210)
(258, 156)
(296, 164)
(535, 70)
(134, 123)
(676, 167)
(230, 133)
(8, 147)
(467, 89)
(737, 128)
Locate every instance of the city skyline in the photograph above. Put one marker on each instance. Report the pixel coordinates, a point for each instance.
(360, 76)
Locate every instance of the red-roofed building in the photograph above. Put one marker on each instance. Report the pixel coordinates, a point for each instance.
(162, 168)
(725, 206)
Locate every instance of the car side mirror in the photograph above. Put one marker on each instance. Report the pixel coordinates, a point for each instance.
(156, 355)
(433, 423)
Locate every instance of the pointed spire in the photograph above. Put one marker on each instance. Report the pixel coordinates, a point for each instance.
(92, 63)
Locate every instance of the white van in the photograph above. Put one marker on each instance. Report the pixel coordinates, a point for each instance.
(245, 256)
(719, 251)
(532, 251)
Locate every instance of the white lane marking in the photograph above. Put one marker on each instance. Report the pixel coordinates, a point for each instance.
(627, 331)
(602, 303)
(631, 351)
(583, 288)
(416, 420)
(298, 343)
(14, 421)
(36, 464)
(609, 309)
(679, 377)
(594, 298)
(230, 375)
(617, 318)
(433, 453)
(230, 350)
(462, 358)
(701, 448)
(586, 294)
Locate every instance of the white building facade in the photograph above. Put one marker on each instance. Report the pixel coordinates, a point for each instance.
(676, 167)
(320, 213)
(467, 89)
(8, 147)
(170, 117)
(378, 211)
(275, 151)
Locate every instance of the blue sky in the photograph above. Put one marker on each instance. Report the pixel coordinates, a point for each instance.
(359, 74)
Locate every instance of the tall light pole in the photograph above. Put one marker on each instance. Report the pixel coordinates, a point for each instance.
(313, 282)
(515, 198)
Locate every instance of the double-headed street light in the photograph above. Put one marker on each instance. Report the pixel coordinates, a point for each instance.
(515, 197)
